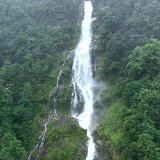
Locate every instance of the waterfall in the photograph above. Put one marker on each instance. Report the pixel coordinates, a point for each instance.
(82, 81)
(82, 77)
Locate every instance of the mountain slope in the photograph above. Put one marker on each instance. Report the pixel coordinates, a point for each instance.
(34, 39)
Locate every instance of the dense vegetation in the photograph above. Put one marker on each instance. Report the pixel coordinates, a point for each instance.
(129, 40)
(33, 36)
(64, 140)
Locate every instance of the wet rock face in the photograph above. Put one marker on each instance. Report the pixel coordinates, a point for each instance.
(64, 139)
(64, 119)
(102, 150)
(97, 64)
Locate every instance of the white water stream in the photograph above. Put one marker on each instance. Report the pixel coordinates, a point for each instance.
(82, 77)
(82, 82)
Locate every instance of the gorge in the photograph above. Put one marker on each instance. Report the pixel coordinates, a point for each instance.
(73, 87)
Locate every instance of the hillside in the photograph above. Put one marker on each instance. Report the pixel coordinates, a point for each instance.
(35, 36)
(128, 39)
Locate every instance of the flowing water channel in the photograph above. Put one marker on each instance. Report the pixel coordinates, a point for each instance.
(82, 78)
(51, 114)
(82, 82)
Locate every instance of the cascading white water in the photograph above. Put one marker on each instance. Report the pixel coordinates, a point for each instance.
(82, 81)
(82, 77)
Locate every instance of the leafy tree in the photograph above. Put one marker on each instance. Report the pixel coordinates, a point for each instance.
(12, 148)
(129, 44)
(33, 35)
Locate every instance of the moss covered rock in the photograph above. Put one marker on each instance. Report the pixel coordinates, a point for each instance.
(65, 139)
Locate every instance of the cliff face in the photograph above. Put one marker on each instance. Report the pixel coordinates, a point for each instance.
(64, 138)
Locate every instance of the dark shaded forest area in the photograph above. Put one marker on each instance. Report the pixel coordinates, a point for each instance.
(33, 35)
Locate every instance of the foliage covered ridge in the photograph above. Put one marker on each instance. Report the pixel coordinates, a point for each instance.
(129, 40)
(34, 35)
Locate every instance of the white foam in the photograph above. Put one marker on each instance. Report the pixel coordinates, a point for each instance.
(82, 79)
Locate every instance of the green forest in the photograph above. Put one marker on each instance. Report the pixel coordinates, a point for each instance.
(35, 37)
(129, 41)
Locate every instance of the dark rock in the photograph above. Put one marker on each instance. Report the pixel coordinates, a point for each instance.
(64, 119)
(102, 150)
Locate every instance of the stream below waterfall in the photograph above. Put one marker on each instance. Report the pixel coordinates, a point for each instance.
(82, 78)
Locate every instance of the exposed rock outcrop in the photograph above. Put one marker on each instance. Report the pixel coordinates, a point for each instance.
(64, 139)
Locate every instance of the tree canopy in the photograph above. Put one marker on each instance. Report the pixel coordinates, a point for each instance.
(129, 40)
(33, 35)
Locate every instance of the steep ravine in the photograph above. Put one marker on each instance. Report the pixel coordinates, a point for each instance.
(64, 138)
(118, 127)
